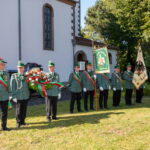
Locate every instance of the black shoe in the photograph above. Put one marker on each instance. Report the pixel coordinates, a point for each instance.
(18, 125)
(86, 110)
(6, 129)
(71, 112)
(24, 124)
(80, 111)
(54, 118)
(139, 102)
(92, 109)
(49, 120)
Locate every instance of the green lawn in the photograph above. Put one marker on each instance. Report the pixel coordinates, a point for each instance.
(125, 128)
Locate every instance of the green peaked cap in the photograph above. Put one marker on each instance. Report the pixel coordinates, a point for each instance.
(20, 64)
(128, 65)
(77, 65)
(2, 61)
(117, 67)
(51, 64)
(89, 63)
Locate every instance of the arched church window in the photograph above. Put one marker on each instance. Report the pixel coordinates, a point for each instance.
(48, 27)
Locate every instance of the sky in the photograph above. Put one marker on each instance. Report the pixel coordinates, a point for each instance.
(85, 4)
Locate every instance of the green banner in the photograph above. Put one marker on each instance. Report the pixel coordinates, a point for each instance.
(101, 60)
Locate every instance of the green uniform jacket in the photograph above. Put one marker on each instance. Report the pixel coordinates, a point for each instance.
(54, 91)
(102, 82)
(5, 93)
(116, 81)
(86, 82)
(74, 85)
(19, 87)
(128, 76)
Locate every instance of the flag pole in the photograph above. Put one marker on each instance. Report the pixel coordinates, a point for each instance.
(95, 96)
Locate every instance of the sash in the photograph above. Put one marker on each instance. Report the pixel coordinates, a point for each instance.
(3, 83)
(91, 80)
(77, 79)
(128, 74)
(105, 77)
(118, 77)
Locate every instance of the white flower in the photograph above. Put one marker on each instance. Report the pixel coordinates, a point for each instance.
(30, 79)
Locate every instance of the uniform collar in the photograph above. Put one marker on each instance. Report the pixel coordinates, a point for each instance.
(2, 72)
(51, 73)
(89, 71)
(116, 72)
(20, 73)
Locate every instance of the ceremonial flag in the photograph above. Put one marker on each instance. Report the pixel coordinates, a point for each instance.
(140, 74)
(101, 60)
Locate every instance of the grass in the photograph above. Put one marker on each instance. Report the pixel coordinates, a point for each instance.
(124, 128)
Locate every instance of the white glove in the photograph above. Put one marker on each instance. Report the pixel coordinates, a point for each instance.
(10, 98)
(109, 87)
(95, 76)
(122, 89)
(59, 96)
(114, 89)
(15, 100)
(101, 89)
(84, 90)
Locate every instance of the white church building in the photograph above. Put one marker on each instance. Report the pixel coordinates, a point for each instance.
(36, 31)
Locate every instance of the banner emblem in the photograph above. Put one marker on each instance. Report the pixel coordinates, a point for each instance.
(101, 60)
(140, 74)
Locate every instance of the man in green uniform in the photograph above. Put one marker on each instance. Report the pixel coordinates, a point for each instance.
(103, 84)
(4, 94)
(53, 94)
(75, 88)
(88, 82)
(116, 86)
(128, 77)
(20, 94)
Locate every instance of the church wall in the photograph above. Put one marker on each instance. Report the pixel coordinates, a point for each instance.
(32, 36)
(9, 32)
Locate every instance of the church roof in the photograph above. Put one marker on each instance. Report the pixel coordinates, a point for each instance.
(69, 2)
(89, 42)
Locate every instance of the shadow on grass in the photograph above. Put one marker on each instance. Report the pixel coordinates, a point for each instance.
(63, 108)
(70, 121)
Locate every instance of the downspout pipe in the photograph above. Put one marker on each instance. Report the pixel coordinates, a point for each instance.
(73, 40)
(19, 31)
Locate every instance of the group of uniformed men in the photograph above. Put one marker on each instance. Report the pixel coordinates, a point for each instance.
(80, 83)
(87, 81)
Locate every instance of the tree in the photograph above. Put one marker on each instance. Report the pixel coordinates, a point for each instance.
(122, 23)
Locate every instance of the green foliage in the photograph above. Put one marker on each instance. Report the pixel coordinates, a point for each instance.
(147, 89)
(124, 24)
